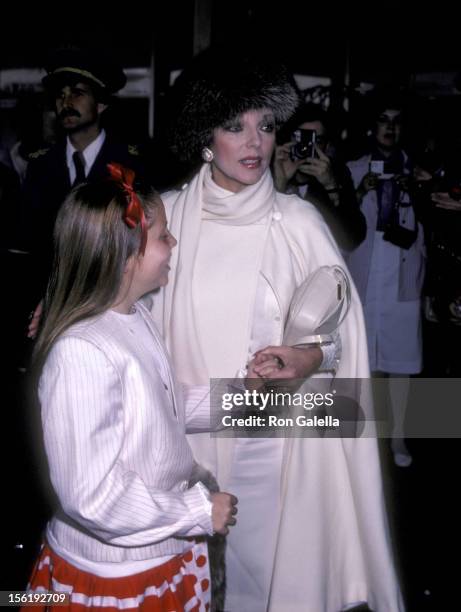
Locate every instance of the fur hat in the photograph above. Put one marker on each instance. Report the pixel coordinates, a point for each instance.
(219, 85)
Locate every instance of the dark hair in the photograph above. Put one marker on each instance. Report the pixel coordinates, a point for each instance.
(220, 84)
(380, 100)
(92, 246)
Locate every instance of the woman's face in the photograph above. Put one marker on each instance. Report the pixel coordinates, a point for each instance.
(388, 128)
(243, 149)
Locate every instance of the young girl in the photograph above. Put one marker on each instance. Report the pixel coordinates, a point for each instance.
(113, 418)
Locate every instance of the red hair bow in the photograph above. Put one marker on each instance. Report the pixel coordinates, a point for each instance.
(134, 213)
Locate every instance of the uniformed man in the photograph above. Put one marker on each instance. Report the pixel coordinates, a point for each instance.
(81, 85)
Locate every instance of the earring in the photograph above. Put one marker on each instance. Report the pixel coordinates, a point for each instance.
(207, 155)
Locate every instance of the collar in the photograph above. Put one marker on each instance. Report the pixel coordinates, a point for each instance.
(89, 153)
(251, 205)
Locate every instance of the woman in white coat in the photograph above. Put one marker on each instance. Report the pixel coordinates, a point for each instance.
(313, 533)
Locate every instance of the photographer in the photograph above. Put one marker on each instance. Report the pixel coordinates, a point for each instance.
(305, 165)
(388, 267)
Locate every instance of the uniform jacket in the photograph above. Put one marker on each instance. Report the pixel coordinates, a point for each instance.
(46, 186)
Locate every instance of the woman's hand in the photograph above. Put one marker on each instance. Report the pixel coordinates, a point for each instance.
(287, 362)
(223, 511)
(368, 183)
(419, 174)
(443, 200)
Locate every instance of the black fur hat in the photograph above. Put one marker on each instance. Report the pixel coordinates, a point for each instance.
(219, 85)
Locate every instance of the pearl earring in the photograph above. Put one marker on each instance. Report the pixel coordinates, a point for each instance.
(207, 154)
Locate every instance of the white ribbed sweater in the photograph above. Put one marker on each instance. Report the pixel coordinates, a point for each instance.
(114, 430)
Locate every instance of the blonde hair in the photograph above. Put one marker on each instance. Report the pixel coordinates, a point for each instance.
(92, 244)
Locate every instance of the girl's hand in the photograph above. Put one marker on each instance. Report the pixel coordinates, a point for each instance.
(253, 380)
(287, 362)
(223, 511)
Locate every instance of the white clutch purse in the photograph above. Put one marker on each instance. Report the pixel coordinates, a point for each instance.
(318, 307)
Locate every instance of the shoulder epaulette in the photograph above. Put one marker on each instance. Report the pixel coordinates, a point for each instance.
(133, 149)
(38, 153)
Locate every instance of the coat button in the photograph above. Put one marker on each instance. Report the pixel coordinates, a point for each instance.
(277, 216)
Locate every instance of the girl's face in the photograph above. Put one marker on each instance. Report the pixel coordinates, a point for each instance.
(151, 270)
(148, 272)
(243, 149)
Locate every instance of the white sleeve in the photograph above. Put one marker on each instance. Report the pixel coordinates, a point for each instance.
(81, 395)
(331, 353)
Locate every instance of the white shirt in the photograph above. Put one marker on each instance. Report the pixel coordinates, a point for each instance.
(113, 423)
(89, 155)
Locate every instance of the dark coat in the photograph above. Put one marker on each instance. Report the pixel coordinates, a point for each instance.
(46, 186)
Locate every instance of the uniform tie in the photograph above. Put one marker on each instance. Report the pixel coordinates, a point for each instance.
(79, 164)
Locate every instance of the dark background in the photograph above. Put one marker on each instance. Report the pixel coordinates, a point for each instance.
(385, 38)
(381, 43)
(376, 43)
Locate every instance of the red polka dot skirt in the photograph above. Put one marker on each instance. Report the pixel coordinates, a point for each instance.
(180, 585)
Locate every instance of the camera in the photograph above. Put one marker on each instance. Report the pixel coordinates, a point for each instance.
(377, 167)
(304, 146)
(381, 168)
